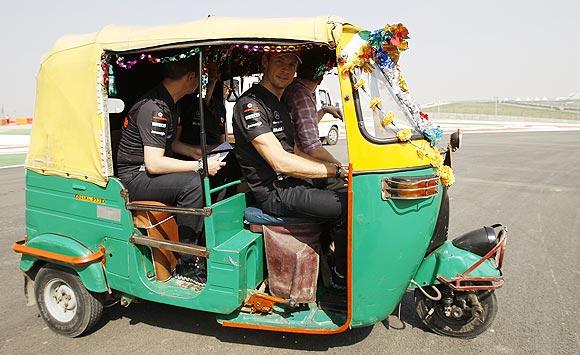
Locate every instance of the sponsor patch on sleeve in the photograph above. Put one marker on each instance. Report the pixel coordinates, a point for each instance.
(250, 108)
(159, 116)
(252, 116)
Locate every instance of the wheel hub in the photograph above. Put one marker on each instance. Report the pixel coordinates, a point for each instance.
(60, 300)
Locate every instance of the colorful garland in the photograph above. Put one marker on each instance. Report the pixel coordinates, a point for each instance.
(216, 54)
(382, 48)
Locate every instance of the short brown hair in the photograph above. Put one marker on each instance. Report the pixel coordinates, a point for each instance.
(176, 70)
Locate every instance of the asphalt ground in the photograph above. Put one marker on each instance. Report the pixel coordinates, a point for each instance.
(528, 181)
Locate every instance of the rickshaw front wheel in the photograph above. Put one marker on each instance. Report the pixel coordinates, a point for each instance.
(460, 314)
(64, 303)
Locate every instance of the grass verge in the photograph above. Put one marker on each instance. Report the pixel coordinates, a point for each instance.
(12, 159)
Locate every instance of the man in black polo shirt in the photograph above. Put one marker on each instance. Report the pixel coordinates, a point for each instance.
(214, 113)
(275, 175)
(145, 163)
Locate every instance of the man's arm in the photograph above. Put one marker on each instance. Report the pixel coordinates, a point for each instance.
(183, 148)
(334, 111)
(320, 153)
(157, 163)
(290, 164)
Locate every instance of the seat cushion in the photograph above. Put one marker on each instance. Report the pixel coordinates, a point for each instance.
(254, 215)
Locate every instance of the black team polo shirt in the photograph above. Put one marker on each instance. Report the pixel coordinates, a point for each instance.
(258, 111)
(151, 122)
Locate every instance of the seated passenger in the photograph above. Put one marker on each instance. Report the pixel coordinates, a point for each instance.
(145, 163)
(187, 145)
(300, 98)
(276, 176)
(214, 112)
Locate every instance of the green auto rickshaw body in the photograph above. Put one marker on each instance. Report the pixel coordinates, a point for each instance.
(76, 213)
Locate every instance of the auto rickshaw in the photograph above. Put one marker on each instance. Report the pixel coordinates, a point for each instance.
(87, 243)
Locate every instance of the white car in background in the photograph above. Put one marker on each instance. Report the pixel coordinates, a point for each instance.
(329, 127)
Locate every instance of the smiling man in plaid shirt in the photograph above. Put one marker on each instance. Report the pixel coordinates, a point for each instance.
(300, 99)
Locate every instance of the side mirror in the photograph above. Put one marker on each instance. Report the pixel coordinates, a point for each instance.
(115, 105)
(455, 140)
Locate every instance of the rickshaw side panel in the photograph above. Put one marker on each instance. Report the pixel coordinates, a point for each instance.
(72, 217)
(389, 240)
(91, 216)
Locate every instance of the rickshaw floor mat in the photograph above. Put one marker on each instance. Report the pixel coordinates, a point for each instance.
(175, 287)
(310, 317)
(332, 301)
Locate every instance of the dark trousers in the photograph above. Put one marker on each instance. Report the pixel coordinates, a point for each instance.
(176, 189)
(300, 198)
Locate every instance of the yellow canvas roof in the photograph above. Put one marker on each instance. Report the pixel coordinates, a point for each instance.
(70, 133)
(121, 38)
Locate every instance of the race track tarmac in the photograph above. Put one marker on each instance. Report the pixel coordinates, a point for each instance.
(528, 181)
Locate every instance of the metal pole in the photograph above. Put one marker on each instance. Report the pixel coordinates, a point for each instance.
(201, 118)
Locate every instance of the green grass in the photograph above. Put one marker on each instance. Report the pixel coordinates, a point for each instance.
(488, 108)
(15, 131)
(12, 159)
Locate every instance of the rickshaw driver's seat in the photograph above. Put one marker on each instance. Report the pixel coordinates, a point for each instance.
(256, 217)
(292, 245)
(161, 226)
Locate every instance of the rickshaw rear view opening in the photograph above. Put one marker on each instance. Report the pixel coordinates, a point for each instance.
(88, 243)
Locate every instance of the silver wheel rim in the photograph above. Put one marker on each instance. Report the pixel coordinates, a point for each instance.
(332, 135)
(60, 300)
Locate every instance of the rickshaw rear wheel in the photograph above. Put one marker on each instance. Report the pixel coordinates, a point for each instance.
(461, 316)
(64, 303)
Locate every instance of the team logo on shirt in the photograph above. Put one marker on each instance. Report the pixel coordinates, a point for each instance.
(250, 108)
(126, 122)
(159, 116)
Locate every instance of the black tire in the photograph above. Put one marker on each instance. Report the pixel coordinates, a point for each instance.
(63, 286)
(332, 136)
(468, 326)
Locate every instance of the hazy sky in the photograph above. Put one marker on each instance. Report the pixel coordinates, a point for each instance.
(458, 49)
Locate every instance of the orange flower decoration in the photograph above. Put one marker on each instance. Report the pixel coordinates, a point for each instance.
(347, 67)
(359, 84)
(403, 83)
(404, 134)
(435, 158)
(421, 152)
(445, 173)
(388, 119)
(375, 102)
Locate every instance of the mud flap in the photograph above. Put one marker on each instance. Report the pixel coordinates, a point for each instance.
(29, 290)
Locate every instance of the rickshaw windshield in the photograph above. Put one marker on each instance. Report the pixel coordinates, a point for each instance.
(372, 113)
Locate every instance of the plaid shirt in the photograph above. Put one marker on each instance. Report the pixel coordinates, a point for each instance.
(302, 106)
